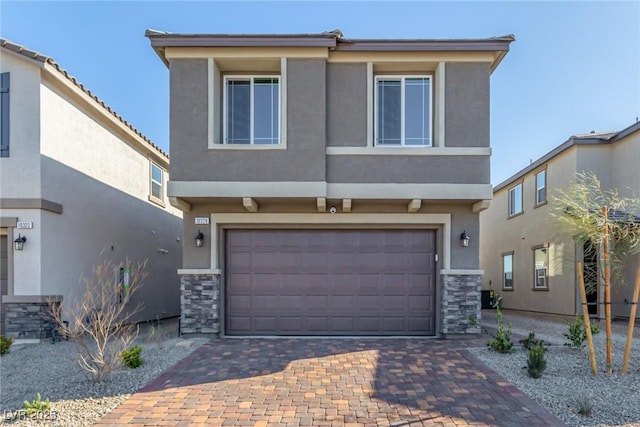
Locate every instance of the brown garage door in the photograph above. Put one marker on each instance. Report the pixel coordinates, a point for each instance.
(330, 282)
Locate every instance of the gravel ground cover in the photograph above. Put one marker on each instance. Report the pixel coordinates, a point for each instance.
(615, 399)
(52, 370)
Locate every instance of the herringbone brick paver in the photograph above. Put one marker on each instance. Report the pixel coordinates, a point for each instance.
(331, 382)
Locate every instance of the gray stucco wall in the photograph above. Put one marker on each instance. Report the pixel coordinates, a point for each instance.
(304, 158)
(464, 219)
(409, 169)
(467, 104)
(346, 105)
(100, 223)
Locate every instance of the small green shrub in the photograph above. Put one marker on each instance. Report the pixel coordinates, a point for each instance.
(131, 357)
(37, 405)
(5, 344)
(531, 341)
(536, 362)
(584, 406)
(577, 333)
(501, 341)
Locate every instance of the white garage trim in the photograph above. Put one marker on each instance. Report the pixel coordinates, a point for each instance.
(292, 220)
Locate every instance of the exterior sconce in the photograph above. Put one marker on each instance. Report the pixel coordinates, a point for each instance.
(199, 239)
(18, 244)
(464, 239)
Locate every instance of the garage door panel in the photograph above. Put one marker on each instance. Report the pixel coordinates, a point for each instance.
(393, 324)
(239, 260)
(241, 324)
(330, 282)
(317, 324)
(239, 302)
(394, 302)
(368, 302)
(291, 323)
(341, 302)
(369, 324)
(267, 302)
(317, 302)
(343, 324)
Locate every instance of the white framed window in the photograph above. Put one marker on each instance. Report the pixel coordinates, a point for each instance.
(251, 110)
(515, 200)
(541, 268)
(156, 183)
(507, 271)
(403, 111)
(541, 187)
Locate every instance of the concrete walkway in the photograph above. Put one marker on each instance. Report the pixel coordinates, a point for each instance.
(331, 382)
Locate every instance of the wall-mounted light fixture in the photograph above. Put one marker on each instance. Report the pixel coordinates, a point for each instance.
(18, 244)
(464, 239)
(199, 239)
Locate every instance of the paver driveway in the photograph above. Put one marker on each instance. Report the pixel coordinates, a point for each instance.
(327, 382)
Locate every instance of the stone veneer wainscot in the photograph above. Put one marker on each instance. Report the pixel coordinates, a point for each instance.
(460, 304)
(29, 316)
(200, 304)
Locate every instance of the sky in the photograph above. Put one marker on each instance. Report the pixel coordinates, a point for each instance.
(574, 67)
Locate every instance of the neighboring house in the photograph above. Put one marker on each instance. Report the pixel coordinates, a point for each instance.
(81, 185)
(525, 256)
(326, 182)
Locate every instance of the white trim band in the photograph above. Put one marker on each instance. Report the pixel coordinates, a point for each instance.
(198, 271)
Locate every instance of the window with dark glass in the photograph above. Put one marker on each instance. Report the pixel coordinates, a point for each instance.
(403, 111)
(252, 110)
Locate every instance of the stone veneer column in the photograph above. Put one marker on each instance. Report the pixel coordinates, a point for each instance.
(200, 304)
(460, 304)
(29, 316)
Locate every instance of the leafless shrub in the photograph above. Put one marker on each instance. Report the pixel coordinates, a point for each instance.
(100, 319)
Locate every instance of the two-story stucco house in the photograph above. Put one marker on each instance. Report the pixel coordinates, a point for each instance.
(326, 182)
(78, 185)
(527, 259)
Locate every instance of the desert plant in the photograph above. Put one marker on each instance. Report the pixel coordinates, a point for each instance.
(37, 405)
(501, 341)
(583, 405)
(536, 362)
(531, 341)
(131, 357)
(101, 318)
(577, 333)
(5, 344)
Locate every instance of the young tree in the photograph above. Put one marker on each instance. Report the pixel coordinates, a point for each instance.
(100, 319)
(605, 219)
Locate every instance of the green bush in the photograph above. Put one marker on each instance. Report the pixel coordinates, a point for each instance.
(531, 341)
(536, 362)
(35, 406)
(501, 341)
(584, 406)
(131, 357)
(577, 333)
(5, 344)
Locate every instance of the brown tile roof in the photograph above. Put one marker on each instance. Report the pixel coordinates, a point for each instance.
(31, 54)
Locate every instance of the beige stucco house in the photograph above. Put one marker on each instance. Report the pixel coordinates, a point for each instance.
(81, 185)
(526, 259)
(327, 181)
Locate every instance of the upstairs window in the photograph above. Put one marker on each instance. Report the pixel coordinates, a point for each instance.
(541, 187)
(515, 200)
(403, 111)
(4, 115)
(156, 183)
(252, 110)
